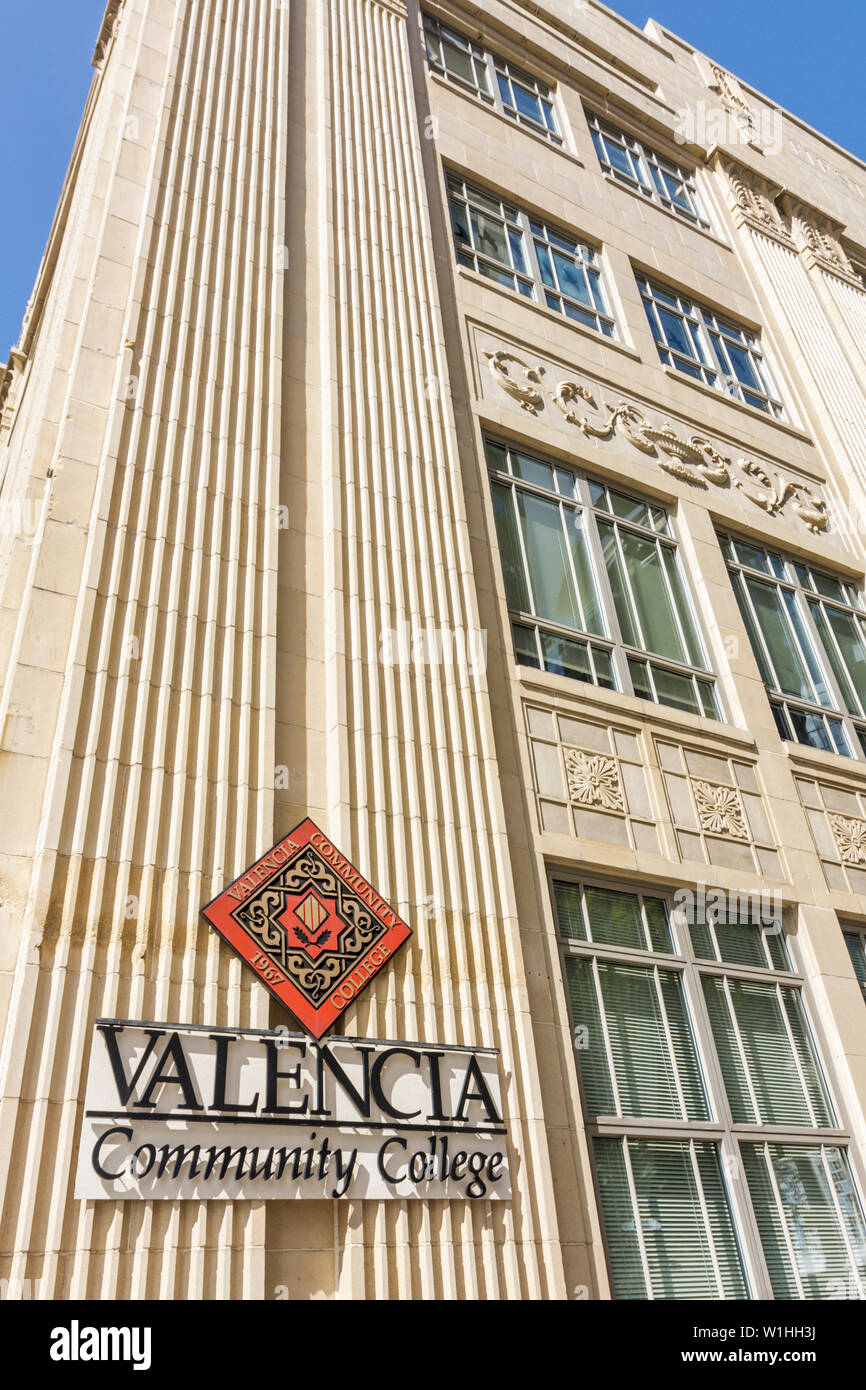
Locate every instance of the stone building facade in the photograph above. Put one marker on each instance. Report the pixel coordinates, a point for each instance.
(448, 422)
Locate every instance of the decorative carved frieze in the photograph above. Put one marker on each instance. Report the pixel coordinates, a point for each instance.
(693, 459)
(593, 780)
(849, 832)
(720, 809)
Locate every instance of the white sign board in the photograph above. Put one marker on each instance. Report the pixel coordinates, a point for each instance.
(182, 1111)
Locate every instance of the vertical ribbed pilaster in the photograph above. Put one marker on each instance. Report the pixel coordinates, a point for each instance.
(412, 774)
(159, 747)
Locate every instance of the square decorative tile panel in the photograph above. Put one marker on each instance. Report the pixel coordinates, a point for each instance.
(717, 810)
(590, 780)
(311, 927)
(837, 817)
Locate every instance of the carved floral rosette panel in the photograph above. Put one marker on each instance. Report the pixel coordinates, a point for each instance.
(837, 817)
(319, 943)
(593, 780)
(590, 780)
(718, 810)
(692, 458)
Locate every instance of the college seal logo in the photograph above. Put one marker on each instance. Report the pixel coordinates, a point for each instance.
(310, 926)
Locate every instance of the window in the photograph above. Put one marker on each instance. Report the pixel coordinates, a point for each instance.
(856, 943)
(497, 239)
(644, 171)
(594, 585)
(707, 347)
(692, 1039)
(494, 80)
(808, 633)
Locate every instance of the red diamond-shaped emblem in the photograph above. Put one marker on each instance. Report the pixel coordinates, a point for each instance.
(309, 924)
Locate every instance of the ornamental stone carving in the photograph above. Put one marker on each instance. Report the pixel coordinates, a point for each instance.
(733, 98)
(849, 832)
(753, 202)
(593, 780)
(720, 810)
(819, 240)
(693, 459)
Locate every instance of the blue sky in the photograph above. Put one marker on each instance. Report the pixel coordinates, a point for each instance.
(814, 69)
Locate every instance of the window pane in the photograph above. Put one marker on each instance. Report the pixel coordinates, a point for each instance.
(526, 102)
(798, 1193)
(571, 279)
(588, 1035)
(659, 926)
(675, 690)
(655, 1066)
(569, 911)
(550, 572)
(590, 602)
(516, 592)
(850, 671)
(683, 1220)
(655, 612)
(763, 1080)
(791, 675)
(458, 62)
(565, 658)
(615, 918)
(489, 237)
(676, 334)
(532, 470)
(525, 645)
(620, 1221)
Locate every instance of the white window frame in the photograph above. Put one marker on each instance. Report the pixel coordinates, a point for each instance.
(713, 337)
(648, 170)
(845, 732)
(492, 74)
(583, 500)
(720, 1129)
(529, 239)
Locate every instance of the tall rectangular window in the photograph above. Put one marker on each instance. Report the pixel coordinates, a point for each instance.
(712, 349)
(496, 238)
(808, 633)
(508, 89)
(594, 584)
(630, 162)
(721, 1169)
